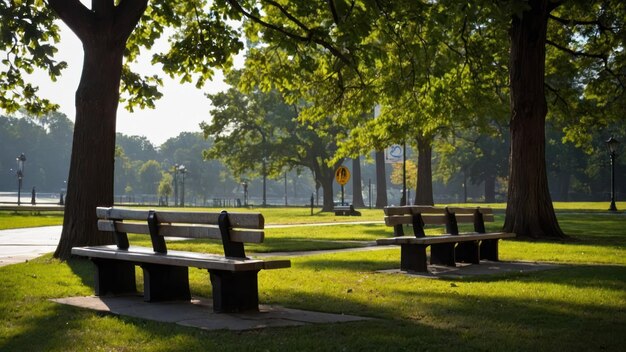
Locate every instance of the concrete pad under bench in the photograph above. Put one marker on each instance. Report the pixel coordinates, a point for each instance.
(198, 313)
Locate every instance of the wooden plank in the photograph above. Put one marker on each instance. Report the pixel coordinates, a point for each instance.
(444, 239)
(426, 209)
(185, 231)
(408, 219)
(433, 219)
(243, 220)
(179, 258)
(413, 209)
(470, 211)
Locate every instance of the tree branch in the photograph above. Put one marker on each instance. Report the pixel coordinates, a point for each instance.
(557, 96)
(78, 17)
(311, 37)
(571, 22)
(576, 53)
(333, 10)
(127, 15)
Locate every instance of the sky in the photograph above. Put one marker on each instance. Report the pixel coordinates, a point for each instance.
(181, 108)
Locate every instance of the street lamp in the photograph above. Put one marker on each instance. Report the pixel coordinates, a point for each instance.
(20, 174)
(612, 145)
(175, 185)
(183, 171)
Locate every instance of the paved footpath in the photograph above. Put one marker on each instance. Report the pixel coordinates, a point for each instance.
(19, 245)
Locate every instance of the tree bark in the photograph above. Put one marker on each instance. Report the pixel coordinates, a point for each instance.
(490, 188)
(103, 33)
(326, 180)
(529, 209)
(381, 180)
(563, 187)
(424, 192)
(357, 190)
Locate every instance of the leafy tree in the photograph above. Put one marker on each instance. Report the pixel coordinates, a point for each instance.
(258, 132)
(109, 31)
(165, 186)
(136, 147)
(411, 174)
(590, 33)
(204, 177)
(45, 142)
(149, 176)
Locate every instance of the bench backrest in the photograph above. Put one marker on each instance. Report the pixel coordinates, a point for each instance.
(419, 215)
(233, 229)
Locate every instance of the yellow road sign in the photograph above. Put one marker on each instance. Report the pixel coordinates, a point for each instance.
(342, 175)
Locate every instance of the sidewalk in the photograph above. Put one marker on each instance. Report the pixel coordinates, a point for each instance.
(19, 245)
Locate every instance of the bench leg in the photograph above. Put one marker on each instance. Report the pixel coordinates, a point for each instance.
(165, 283)
(114, 277)
(413, 258)
(235, 291)
(467, 252)
(442, 253)
(489, 250)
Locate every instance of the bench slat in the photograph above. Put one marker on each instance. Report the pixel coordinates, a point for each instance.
(179, 258)
(243, 220)
(464, 237)
(185, 231)
(432, 219)
(426, 209)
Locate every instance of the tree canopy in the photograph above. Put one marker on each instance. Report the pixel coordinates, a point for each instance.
(434, 66)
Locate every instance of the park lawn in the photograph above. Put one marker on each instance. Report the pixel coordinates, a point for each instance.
(12, 220)
(578, 306)
(291, 215)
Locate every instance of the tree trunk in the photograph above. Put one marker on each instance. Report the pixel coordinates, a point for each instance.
(103, 32)
(381, 180)
(326, 180)
(563, 188)
(424, 192)
(529, 209)
(490, 188)
(357, 190)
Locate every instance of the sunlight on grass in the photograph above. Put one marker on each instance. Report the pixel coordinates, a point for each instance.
(12, 220)
(580, 305)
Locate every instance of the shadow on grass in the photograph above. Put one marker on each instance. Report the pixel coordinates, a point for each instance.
(83, 268)
(576, 276)
(412, 317)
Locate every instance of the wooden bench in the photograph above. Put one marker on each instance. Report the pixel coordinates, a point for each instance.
(346, 210)
(445, 249)
(165, 272)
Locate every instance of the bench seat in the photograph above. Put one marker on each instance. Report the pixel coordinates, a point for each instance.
(138, 254)
(233, 275)
(346, 210)
(445, 249)
(462, 237)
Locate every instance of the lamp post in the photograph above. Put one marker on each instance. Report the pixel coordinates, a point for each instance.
(182, 171)
(612, 145)
(175, 185)
(20, 174)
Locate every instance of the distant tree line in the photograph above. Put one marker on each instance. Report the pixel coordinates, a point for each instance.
(467, 166)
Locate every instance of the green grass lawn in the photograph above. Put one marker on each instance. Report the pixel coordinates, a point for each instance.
(580, 306)
(12, 220)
